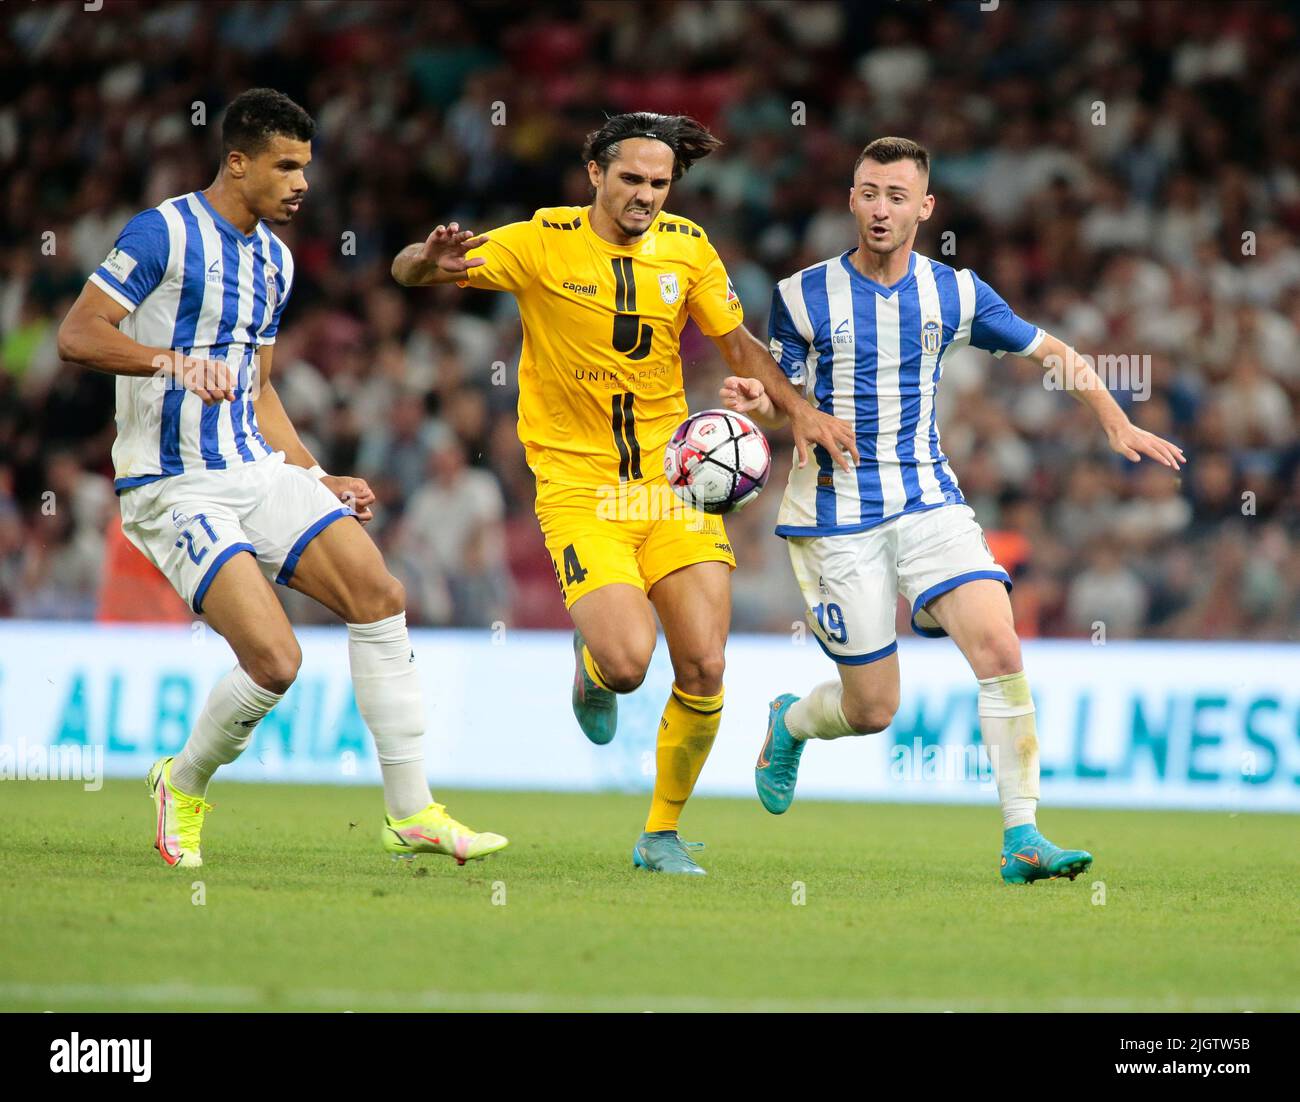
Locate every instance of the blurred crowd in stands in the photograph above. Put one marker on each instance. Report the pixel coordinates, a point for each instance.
(1126, 175)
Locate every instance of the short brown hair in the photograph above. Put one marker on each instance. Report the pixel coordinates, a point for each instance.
(887, 151)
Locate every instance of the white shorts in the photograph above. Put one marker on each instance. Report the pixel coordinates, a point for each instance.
(188, 525)
(851, 582)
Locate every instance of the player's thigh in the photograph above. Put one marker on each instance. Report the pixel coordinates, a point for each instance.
(694, 606)
(191, 528)
(678, 536)
(188, 530)
(850, 588)
(955, 587)
(618, 625)
(308, 540)
(592, 543)
(242, 607)
(978, 616)
(593, 552)
(344, 570)
(871, 692)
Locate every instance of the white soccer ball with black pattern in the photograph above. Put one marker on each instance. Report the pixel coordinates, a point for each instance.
(717, 461)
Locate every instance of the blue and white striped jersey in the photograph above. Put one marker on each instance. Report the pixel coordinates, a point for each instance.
(872, 356)
(197, 285)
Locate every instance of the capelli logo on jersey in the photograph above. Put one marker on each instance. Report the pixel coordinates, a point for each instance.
(588, 289)
(214, 272)
(842, 334)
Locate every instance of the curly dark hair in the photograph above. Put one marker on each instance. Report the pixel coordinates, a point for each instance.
(256, 116)
(689, 140)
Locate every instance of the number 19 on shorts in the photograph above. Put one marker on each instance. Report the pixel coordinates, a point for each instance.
(830, 618)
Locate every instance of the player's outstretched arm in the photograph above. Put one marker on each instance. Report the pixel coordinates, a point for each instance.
(440, 258)
(89, 336)
(747, 356)
(1085, 384)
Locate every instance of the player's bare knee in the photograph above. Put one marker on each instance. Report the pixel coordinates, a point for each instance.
(869, 717)
(276, 669)
(623, 673)
(377, 600)
(391, 598)
(623, 663)
(998, 654)
(702, 675)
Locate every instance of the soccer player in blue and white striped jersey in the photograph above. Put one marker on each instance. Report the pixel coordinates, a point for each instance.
(219, 492)
(864, 336)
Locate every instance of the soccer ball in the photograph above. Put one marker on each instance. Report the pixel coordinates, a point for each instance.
(717, 461)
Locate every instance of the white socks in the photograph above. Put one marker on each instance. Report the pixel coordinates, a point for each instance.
(820, 714)
(235, 706)
(1007, 727)
(388, 695)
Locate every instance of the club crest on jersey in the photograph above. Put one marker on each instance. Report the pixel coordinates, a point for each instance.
(272, 288)
(668, 288)
(931, 337)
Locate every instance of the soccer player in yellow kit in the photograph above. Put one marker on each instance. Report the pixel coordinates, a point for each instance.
(603, 293)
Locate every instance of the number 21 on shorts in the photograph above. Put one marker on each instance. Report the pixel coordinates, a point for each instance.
(187, 539)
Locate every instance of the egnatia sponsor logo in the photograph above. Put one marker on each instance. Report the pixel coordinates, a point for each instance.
(76, 1054)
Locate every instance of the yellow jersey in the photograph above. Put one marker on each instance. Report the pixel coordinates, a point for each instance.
(600, 374)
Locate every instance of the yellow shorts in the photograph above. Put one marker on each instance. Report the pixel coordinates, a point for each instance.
(635, 533)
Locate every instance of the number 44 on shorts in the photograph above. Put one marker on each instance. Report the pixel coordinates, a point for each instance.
(574, 571)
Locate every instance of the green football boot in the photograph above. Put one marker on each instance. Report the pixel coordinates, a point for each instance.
(663, 851)
(596, 709)
(778, 761)
(1028, 856)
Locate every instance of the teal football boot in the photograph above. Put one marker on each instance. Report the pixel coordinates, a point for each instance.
(778, 761)
(663, 851)
(1028, 856)
(596, 709)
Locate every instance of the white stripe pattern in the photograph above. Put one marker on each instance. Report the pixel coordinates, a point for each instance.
(889, 403)
(928, 292)
(137, 450)
(844, 381)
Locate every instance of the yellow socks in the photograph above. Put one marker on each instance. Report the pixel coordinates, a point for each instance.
(593, 671)
(686, 734)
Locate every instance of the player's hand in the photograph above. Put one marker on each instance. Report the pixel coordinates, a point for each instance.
(212, 380)
(746, 396)
(354, 492)
(1133, 443)
(446, 247)
(812, 427)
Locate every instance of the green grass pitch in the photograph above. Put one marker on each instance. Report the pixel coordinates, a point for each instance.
(902, 909)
